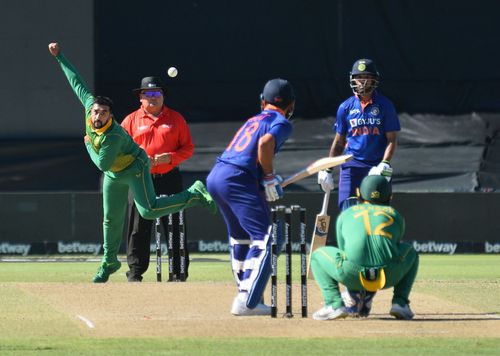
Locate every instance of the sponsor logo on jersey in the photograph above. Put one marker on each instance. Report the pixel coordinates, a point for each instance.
(365, 130)
(365, 121)
(354, 111)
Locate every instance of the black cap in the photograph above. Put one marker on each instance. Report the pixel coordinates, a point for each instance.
(151, 83)
(364, 66)
(375, 189)
(278, 92)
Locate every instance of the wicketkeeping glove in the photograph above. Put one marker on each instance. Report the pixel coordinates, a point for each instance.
(325, 180)
(382, 169)
(271, 184)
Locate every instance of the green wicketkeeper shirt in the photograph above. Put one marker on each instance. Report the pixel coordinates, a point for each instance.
(369, 234)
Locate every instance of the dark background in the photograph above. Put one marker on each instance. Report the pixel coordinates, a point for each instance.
(438, 61)
(434, 56)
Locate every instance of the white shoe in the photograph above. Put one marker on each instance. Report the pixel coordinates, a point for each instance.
(400, 312)
(240, 308)
(328, 313)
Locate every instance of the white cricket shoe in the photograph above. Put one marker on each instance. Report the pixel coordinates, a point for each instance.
(403, 313)
(240, 308)
(329, 313)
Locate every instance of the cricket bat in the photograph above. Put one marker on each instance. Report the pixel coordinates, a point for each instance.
(315, 167)
(320, 233)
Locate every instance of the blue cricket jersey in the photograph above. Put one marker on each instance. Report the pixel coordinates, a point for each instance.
(242, 151)
(365, 129)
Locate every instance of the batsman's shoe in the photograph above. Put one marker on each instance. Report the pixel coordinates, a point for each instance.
(105, 270)
(402, 313)
(239, 308)
(199, 188)
(329, 313)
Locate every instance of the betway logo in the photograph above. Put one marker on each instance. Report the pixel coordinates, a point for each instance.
(164, 248)
(435, 247)
(213, 246)
(491, 248)
(219, 246)
(77, 247)
(14, 249)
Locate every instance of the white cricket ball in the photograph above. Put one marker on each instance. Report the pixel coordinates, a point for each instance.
(172, 72)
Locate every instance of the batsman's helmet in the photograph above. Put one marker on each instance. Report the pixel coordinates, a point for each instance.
(364, 86)
(278, 92)
(375, 189)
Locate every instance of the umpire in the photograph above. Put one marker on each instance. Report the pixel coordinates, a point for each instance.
(164, 134)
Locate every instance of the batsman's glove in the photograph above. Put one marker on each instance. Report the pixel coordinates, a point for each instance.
(325, 180)
(272, 187)
(382, 169)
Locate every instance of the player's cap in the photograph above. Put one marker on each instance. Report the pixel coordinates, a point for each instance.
(375, 189)
(278, 92)
(148, 83)
(372, 279)
(364, 66)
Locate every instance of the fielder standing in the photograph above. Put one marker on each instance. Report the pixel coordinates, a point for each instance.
(366, 127)
(125, 166)
(370, 257)
(242, 182)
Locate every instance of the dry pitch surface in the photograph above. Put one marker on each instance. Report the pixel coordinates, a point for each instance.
(198, 309)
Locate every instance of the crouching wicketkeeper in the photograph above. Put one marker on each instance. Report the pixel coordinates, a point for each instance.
(370, 257)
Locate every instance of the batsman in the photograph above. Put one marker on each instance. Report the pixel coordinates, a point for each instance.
(370, 257)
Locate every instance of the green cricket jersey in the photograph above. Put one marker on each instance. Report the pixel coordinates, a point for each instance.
(111, 148)
(369, 234)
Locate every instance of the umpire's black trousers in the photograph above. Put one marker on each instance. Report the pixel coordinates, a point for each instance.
(140, 230)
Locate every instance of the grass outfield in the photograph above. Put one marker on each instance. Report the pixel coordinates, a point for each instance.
(29, 327)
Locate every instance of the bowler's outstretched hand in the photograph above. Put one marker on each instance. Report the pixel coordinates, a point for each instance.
(54, 49)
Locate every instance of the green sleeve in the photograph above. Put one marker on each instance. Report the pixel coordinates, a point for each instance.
(111, 146)
(77, 84)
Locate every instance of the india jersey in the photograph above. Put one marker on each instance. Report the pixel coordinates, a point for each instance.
(370, 234)
(365, 129)
(242, 151)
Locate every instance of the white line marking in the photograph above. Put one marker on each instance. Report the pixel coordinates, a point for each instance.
(493, 316)
(86, 321)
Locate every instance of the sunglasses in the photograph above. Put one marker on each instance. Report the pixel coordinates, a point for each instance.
(152, 94)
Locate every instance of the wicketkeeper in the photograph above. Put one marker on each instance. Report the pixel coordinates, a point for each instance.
(370, 257)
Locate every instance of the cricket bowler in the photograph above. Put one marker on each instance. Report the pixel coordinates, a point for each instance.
(125, 166)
